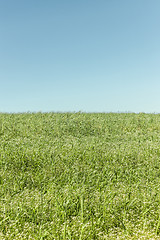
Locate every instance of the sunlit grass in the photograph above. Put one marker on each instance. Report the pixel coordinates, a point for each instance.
(79, 176)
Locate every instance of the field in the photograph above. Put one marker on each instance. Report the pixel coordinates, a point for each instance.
(79, 176)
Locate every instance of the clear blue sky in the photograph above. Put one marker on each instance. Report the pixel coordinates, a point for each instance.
(87, 55)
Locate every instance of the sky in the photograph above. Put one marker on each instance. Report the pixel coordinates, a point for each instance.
(87, 55)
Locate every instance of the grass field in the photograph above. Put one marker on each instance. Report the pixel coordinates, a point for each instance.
(79, 176)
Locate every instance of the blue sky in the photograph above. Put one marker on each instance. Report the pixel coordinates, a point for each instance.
(88, 55)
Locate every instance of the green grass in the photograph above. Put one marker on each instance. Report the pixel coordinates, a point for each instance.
(79, 176)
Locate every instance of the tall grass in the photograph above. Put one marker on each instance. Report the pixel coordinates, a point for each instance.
(79, 176)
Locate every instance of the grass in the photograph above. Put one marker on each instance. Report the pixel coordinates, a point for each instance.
(79, 176)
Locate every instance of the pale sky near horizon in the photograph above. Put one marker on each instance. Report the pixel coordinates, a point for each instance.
(87, 55)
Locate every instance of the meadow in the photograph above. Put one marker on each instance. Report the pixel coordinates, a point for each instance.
(79, 176)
